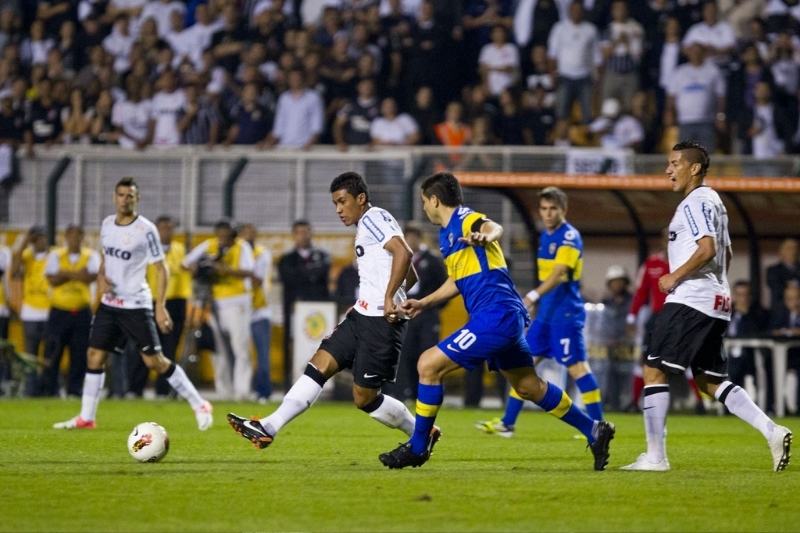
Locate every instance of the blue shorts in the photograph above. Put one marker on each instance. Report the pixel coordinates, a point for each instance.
(562, 342)
(497, 339)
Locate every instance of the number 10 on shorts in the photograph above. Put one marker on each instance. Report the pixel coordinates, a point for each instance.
(465, 339)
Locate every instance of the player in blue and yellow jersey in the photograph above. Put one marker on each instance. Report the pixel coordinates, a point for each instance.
(557, 331)
(495, 332)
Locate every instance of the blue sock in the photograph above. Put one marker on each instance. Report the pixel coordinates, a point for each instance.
(429, 399)
(557, 403)
(590, 394)
(513, 408)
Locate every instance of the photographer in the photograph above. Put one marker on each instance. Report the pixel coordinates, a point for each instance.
(226, 263)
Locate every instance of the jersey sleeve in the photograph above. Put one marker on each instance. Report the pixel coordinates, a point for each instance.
(468, 224)
(93, 266)
(569, 250)
(155, 252)
(700, 217)
(194, 256)
(246, 257)
(381, 225)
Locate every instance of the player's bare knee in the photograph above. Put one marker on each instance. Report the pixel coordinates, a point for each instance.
(428, 367)
(578, 370)
(95, 359)
(324, 363)
(654, 376)
(362, 397)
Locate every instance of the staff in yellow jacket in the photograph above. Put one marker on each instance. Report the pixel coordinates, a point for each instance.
(70, 270)
(231, 261)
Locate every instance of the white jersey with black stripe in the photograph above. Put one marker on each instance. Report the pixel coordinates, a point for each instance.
(127, 250)
(374, 229)
(701, 214)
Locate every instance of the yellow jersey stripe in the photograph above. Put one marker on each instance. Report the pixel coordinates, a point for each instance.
(463, 263)
(469, 220)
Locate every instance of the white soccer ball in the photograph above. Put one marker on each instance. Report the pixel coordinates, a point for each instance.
(148, 442)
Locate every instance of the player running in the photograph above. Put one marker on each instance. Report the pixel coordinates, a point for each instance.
(368, 340)
(557, 331)
(688, 331)
(130, 242)
(469, 242)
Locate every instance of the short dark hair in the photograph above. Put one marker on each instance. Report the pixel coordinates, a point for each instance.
(741, 283)
(413, 228)
(127, 181)
(164, 218)
(554, 195)
(445, 187)
(694, 152)
(352, 182)
(300, 222)
(225, 223)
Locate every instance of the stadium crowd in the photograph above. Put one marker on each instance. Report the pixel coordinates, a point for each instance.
(294, 73)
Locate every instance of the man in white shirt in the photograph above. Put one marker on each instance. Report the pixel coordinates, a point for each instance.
(696, 99)
(499, 62)
(622, 53)
(571, 46)
(131, 116)
(161, 11)
(617, 131)
(716, 35)
(766, 141)
(369, 339)
(130, 243)
(119, 44)
(689, 329)
(391, 129)
(298, 116)
(165, 110)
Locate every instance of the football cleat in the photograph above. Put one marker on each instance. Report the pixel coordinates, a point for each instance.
(75, 423)
(780, 444)
(204, 416)
(251, 429)
(402, 456)
(643, 464)
(605, 433)
(495, 426)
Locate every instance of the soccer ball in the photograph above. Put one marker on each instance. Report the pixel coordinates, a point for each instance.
(148, 442)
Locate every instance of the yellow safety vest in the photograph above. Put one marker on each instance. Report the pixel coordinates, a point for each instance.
(227, 286)
(179, 283)
(72, 295)
(35, 288)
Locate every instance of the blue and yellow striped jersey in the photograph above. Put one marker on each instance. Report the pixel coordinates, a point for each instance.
(564, 303)
(480, 273)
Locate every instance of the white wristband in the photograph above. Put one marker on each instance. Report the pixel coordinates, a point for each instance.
(533, 296)
(630, 319)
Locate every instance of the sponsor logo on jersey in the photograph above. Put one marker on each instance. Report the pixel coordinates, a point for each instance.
(673, 235)
(111, 251)
(722, 303)
(359, 250)
(363, 304)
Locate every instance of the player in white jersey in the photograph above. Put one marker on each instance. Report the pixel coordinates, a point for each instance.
(688, 331)
(130, 242)
(368, 340)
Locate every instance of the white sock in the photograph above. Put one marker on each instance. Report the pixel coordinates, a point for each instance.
(180, 382)
(394, 414)
(303, 393)
(740, 404)
(656, 405)
(92, 388)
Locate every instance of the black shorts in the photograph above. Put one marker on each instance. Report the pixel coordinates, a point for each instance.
(647, 338)
(111, 326)
(369, 345)
(686, 338)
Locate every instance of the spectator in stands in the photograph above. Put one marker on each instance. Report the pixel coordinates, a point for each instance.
(615, 129)
(696, 99)
(260, 325)
(119, 44)
(44, 118)
(346, 290)
(167, 105)
(426, 114)
(161, 11)
(785, 322)
(101, 128)
(539, 73)
(70, 271)
(511, 126)
(68, 46)
(741, 101)
(199, 121)
(748, 319)
(714, 34)
(339, 70)
(298, 116)
(453, 131)
(76, 121)
(423, 330)
(132, 116)
(533, 20)
(571, 47)
(28, 263)
(539, 114)
(766, 141)
(784, 273)
(424, 61)
(303, 271)
(34, 49)
(393, 129)
(499, 63)
(786, 83)
(354, 120)
(230, 260)
(622, 49)
(230, 40)
(250, 120)
(5, 312)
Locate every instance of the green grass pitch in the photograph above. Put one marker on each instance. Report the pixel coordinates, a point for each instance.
(322, 474)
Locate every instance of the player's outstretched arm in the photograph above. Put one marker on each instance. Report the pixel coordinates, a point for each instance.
(706, 250)
(490, 231)
(444, 293)
(555, 279)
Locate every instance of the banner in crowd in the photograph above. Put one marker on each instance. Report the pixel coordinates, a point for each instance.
(311, 322)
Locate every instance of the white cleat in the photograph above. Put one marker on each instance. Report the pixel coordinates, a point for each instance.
(643, 464)
(75, 422)
(780, 444)
(204, 417)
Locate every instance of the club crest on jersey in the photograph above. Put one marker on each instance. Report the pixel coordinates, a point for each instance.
(450, 238)
(552, 248)
(570, 235)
